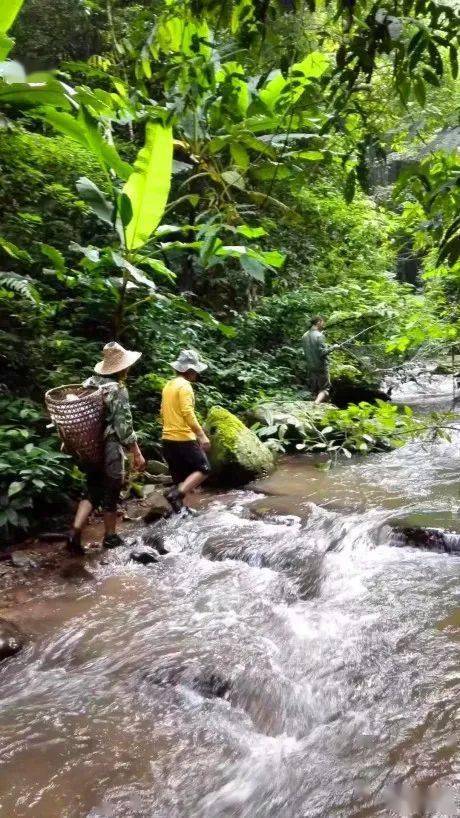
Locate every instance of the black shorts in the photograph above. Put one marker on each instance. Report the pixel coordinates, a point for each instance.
(183, 458)
(104, 484)
(319, 381)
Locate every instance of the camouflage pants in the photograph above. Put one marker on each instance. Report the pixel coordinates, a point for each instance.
(104, 483)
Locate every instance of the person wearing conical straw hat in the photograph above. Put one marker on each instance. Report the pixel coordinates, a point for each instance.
(184, 440)
(104, 483)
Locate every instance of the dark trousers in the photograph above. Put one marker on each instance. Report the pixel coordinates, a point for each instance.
(183, 458)
(104, 482)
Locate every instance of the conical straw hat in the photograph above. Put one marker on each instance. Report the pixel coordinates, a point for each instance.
(115, 359)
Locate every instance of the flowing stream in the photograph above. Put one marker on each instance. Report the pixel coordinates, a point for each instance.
(283, 660)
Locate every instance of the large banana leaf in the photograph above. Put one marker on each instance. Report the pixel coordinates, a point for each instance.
(9, 10)
(148, 186)
(84, 130)
(25, 94)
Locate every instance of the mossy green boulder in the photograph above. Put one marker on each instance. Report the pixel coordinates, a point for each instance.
(237, 455)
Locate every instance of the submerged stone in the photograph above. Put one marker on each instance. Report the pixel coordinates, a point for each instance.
(237, 455)
(207, 683)
(74, 571)
(430, 539)
(144, 555)
(154, 539)
(24, 559)
(11, 639)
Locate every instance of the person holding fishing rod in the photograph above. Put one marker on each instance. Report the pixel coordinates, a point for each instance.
(316, 353)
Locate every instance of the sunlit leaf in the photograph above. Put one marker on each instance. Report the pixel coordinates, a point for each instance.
(55, 256)
(15, 487)
(6, 44)
(148, 186)
(30, 94)
(9, 10)
(85, 130)
(251, 232)
(12, 250)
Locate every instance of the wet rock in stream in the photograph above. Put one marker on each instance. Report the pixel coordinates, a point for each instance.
(159, 508)
(154, 539)
(428, 539)
(303, 569)
(144, 555)
(150, 548)
(11, 639)
(207, 683)
(24, 559)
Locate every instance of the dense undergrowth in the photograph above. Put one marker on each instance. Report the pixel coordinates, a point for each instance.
(265, 218)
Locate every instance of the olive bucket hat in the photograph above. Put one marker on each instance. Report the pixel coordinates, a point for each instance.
(189, 359)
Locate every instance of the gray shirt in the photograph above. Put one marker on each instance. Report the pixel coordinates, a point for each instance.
(316, 350)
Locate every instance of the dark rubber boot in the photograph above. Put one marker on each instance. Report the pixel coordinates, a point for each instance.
(175, 499)
(74, 545)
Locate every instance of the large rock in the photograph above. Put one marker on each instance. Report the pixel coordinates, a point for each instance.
(429, 539)
(355, 383)
(11, 639)
(293, 413)
(237, 455)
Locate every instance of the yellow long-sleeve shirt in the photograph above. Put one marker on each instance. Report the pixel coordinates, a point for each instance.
(178, 410)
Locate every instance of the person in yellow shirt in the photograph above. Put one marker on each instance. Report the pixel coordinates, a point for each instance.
(184, 441)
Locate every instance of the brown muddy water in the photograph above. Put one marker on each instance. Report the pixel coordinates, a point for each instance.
(282, 660)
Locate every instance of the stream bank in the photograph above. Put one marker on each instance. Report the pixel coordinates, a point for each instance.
(282, 659)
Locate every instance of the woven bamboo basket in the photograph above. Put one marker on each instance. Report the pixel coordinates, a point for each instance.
(78, 413)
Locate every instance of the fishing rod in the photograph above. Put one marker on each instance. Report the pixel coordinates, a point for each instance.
(372, 326)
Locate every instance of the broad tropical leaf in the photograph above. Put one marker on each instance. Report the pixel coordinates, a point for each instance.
(9, 10)
(132, 273)
(148, 186)
(85, 131)
(91, 194)
(34, 94)
(105, 153)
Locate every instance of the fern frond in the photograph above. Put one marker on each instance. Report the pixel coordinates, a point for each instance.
(20, 285)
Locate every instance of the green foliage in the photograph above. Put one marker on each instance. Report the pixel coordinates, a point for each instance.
(38, 201)
(8, 14)
(33, 475)
(148, 186)
(361, 429)
(434, 182)
(250, 129)
(73, 34)
(15, 283)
